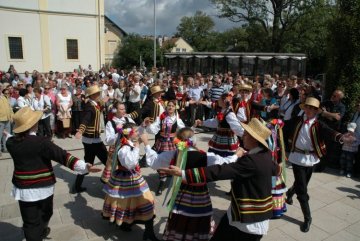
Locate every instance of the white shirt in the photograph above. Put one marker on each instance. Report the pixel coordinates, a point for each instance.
(231, 119)
(303, 142)
(127, 157)
(110, 134)
(258, 228)
(134, 95)
(36, 194)
(156, 161)
(155, 127)
(40, 105)
(28, 80)
(115, 77)
(22, 102)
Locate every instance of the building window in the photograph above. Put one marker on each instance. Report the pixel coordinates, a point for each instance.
(72, 49)
(184, 50)
(177, 49)
(15, 48)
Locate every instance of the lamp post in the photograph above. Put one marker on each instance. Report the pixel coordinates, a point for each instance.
(154, 33)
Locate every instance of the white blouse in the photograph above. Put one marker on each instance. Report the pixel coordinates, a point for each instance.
(127, 157)
(231, 119)
(155, 127)
(64, 100)
(156, 161)
(110, 133)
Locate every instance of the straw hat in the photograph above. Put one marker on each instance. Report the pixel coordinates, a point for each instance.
(245, 87)
(156, 89)
(257, 130)
(311, 101)
(92, 90)
(26, 118)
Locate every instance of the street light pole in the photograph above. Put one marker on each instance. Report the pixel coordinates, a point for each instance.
(154, 33)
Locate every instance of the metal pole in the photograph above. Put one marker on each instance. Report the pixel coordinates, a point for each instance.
(154, 33)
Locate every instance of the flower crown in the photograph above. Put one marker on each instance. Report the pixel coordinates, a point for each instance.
(181, 145)
(127, 131)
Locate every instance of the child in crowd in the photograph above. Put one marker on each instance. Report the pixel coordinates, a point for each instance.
(349, 151)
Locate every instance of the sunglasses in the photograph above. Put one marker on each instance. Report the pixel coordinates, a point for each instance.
(46, 88)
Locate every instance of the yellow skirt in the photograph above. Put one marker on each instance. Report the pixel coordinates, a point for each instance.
(128, 210)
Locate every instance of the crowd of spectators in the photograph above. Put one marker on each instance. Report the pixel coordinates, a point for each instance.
(61, 96)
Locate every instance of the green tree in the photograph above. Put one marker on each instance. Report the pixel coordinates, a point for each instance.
(344, 52)
(197, 30)
(274, 17)
(135, 46)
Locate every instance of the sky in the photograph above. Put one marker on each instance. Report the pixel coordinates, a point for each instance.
(136, 16)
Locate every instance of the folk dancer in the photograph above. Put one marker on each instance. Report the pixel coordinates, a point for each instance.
(128, 198)
(118, 119)
(306, 150)
(89, 130)
(190, 216)
(165, 127)
(33, 178)
(251, 186)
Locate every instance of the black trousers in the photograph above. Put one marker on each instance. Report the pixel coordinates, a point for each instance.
(93, 150)
(36, 217)
(44, 128)
(196, 112)
(302, 177)
(225, 231)
(75, 118)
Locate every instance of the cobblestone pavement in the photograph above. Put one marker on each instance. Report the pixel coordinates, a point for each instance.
(335, 205)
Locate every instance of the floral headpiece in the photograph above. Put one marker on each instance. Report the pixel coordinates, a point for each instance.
(127, 131)
(181, 145)
(274, 122)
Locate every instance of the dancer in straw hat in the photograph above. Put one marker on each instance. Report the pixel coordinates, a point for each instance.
(151, 109)
(89, 130)
(251, 202)
(33, 179)
(306, 150)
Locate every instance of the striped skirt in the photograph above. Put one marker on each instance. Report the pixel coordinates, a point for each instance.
(129, 210)
(126, 184)
(191, 217)
(164, 144)
(224, 142)
(279, 195)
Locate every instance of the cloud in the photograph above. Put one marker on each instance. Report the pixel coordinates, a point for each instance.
(136, 16)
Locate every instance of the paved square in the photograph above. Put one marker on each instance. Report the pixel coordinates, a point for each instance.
(334, 201)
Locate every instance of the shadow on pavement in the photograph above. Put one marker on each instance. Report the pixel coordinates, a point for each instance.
(291, 220)
(9, 232)
(356, 192)
(92, 183)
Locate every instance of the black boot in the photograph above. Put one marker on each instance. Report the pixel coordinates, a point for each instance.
(160, 188)
(77, 187)
(149, 231)
(289, 195)
(305, 208)
(46, 230)
(125, 227)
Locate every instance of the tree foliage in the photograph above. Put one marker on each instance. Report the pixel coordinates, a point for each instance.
(133, 47)
(275, 17)
(344, 51)
(197, 30)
